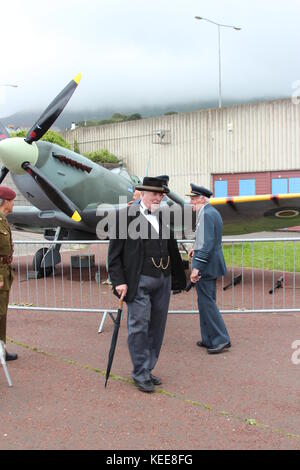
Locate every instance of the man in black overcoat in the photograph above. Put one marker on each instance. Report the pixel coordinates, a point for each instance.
(144, 264)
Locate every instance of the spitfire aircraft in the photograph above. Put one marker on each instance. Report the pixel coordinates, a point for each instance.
(66, 188)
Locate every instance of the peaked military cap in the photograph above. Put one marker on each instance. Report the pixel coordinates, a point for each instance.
(6, 193)
(199, 191)
(152, 184)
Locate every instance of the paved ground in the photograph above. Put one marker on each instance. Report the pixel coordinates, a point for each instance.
(246, 398)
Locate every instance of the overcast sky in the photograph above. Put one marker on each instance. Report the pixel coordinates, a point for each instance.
(138, 52)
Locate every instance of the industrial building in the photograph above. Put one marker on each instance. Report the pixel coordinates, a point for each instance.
(239, 150)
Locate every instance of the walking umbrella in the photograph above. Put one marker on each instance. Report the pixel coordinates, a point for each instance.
(114, 340)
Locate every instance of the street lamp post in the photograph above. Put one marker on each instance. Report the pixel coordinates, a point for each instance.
(219, 41)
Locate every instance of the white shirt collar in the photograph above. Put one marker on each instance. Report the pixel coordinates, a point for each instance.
(150, 217)
(143, 207)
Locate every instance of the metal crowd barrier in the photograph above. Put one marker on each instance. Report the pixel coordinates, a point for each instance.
(263, 276)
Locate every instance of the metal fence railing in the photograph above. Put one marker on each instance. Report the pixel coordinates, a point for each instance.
(263, 276)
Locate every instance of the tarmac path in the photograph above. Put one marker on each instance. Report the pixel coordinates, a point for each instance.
(245, 398)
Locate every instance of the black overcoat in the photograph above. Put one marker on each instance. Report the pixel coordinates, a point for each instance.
(125, 260)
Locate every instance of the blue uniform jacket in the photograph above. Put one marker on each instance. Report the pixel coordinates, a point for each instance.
(208, 255)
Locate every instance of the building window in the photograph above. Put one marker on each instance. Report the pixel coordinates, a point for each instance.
(247, 187)
(294, 185)
(221, 189)
(279, 185)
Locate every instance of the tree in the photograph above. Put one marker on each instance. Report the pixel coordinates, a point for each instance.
(116, 117)
(49, 136)
(134, 117)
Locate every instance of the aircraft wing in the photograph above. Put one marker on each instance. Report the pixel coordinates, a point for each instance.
(248, 214)
(240, 214)
(32, 219)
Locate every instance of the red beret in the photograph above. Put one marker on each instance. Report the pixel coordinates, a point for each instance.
(6, 193)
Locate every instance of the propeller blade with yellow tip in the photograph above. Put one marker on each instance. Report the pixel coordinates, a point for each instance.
(54, 194)
(52, 112)
(76, 217)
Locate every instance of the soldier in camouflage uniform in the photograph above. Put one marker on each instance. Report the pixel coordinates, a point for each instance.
(7, 197)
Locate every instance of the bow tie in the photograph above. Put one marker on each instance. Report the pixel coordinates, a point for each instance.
(147, 212)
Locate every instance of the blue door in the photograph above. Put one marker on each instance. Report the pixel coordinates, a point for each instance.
(247, 187)
(279, 186)
(294, 185)
(220, 189)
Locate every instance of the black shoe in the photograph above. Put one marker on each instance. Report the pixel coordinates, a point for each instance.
(144, 386)
(155, 380)
(202, 345)
(10, 356)
(218, 349)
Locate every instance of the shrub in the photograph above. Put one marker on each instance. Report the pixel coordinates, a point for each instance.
(76, 147)
(102, 156)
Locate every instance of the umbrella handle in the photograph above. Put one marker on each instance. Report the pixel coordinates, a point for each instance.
(121, 303)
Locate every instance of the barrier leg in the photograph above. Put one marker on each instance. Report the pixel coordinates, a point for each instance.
(279, 283)
(103, 319)
(102, 322)
(3, 362)
(236, 280)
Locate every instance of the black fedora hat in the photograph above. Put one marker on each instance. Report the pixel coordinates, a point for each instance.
(152, 184)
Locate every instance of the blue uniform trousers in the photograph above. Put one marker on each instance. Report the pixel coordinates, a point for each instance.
(212, 326)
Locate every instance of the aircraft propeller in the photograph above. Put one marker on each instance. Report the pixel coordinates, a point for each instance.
(53, 193)
(19, 155)
(3, 173)
(52, 112)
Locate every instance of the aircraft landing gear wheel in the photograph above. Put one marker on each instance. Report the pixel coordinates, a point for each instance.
(36, 264)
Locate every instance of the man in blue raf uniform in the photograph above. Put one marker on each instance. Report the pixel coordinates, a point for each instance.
(207, 265)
